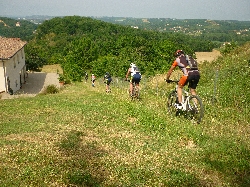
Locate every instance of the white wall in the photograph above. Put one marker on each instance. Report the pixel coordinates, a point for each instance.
(13, 68)
(2, 83)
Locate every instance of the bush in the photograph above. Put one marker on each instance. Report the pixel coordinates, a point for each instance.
(51, 89)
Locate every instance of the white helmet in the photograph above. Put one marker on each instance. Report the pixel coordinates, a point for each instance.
(132, 65)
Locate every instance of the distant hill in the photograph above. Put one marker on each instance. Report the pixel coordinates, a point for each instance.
(17, 28)
(213, 30)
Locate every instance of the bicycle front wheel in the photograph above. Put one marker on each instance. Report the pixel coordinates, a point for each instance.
(171, 101)
(195, 110)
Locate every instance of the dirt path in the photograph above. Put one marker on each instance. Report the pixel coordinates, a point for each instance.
(35, 83)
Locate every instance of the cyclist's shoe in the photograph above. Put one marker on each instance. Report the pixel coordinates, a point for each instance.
(178, 106)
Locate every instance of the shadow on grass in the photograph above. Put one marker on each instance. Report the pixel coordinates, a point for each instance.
(180, 178)
(82, 161)
(231, 160)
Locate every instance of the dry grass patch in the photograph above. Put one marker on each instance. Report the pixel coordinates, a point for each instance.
(207, 56)
(55, 68)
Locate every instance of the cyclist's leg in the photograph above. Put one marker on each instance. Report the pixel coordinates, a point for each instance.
(181, 84)
(137, 79)
(108, 84)
(107, 87)
(193, 82)
(131, 85)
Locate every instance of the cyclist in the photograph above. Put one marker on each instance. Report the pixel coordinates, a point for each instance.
(86, 76)
(107, 78)
(190, 75)
(93, 80)
(135, 76)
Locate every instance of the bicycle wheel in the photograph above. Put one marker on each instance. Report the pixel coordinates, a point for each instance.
(195, 108)
(171, 101)
(136, 93)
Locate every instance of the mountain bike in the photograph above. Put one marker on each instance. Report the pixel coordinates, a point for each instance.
(135, 91)
(192, 104)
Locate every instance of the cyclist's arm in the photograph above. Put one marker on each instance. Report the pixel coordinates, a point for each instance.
(171, 70)
(129, 70)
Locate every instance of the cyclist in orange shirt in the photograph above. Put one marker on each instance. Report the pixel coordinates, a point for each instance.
(190, 75)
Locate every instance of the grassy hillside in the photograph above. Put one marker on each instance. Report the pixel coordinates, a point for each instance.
(85, 137)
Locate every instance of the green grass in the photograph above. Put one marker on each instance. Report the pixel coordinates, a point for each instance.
(82, 136)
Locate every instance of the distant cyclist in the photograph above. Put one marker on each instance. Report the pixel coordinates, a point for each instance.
(107, 78)
(135, 76)
(93, 80)
(86, 76)
(191, 74)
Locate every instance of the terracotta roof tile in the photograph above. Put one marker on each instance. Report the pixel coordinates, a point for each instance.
(10, 46)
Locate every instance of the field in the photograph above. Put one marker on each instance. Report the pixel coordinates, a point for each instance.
(207, 56)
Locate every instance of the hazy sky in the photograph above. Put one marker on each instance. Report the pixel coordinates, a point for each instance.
(180, 9)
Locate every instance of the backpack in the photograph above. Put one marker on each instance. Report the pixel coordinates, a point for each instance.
(192, 63)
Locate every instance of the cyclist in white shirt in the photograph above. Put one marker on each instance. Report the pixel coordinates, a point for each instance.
(135, 76)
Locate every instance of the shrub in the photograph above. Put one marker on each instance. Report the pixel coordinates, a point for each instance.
(51, 89)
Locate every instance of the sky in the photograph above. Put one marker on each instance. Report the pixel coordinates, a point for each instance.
(179, 9)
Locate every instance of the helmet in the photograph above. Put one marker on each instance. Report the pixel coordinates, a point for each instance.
(178, 52)
(132, 65)
(92, 74)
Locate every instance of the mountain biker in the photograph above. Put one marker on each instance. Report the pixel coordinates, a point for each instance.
(93, 80)
(135, 76)
(108, 79)
(191, 76)
(86, 76)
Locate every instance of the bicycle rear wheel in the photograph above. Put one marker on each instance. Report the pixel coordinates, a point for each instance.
(171, 101)
(136, 93)
(195, 110)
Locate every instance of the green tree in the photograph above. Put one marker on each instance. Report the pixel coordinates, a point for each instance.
(79, 55)
(33, 60)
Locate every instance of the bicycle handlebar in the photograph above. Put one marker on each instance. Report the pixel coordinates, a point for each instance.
(171, 81)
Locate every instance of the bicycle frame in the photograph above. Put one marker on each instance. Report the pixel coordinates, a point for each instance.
(185, 96)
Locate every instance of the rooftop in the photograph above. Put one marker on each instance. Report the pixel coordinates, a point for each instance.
(10, 46)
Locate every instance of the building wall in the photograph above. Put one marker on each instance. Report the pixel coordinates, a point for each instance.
(2, 79)
(14, 72)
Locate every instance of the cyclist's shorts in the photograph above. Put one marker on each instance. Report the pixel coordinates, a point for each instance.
(108, 81)
(193, 81)
(136, 78)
